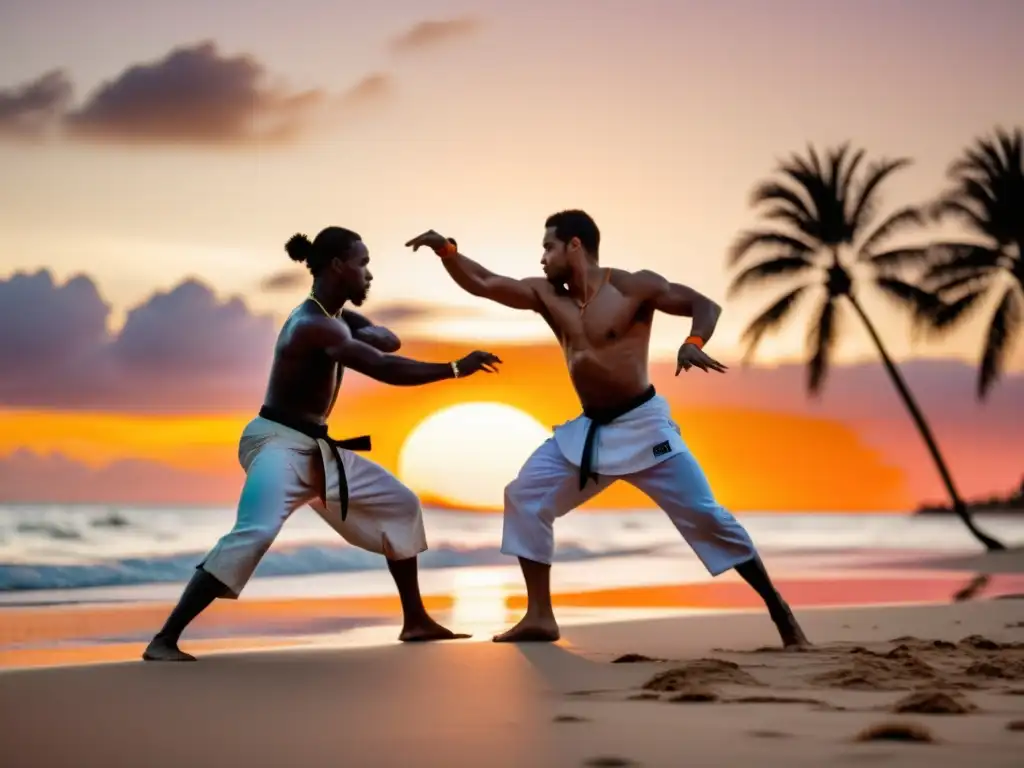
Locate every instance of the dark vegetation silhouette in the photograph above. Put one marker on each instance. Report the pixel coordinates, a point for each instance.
(986, 198)
(821, 241)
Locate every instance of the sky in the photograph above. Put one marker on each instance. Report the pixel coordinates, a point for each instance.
(155, 161)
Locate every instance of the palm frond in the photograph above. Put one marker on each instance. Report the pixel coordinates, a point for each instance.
(951, 315)
(876, 174)
(894, 261)
(954, 260)
(774, 192)
(951, 206)
(951, 287)
(987, 191)
(811, 178)
(759, 238)
(834, 171)
(982, 159)
(851, 170)
(992, 156)
(809, 229)
(1002, 332)
(821, 339)
(771, 269)
(770, 320)
(980, 192)
(905, 218)
(922, 305)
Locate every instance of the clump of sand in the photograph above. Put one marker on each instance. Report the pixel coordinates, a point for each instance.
(934, 703)
(895, 731)
(1002, 668)
(636, 658)
(917, 644)
(702, 672)
(980, 643)
(1015, 725)
(876, 672)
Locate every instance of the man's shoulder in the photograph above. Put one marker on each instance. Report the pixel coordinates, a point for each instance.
(302, 327)
(537, 283)
(541, 287)
(631, 281)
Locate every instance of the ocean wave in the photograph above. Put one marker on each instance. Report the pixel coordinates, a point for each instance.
(284, 561)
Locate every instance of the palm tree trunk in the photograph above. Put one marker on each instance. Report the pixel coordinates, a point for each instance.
(908, 399)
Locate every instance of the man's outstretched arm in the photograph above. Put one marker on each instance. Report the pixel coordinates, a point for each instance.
(680, 300)
(337, 341)
(479, 281)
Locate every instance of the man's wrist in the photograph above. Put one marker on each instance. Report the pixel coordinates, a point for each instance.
(449, 249)
(454, 365)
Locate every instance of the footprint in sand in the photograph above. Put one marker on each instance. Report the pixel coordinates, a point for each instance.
(610, 762)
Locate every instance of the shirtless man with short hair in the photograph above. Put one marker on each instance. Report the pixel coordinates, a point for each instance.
(602, 319)
(289, 460)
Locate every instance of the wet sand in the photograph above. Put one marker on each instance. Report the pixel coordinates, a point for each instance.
(705, 690)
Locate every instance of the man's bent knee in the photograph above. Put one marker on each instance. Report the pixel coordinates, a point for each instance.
(527, 531)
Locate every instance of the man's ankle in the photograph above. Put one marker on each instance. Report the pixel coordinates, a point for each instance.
(546, 614)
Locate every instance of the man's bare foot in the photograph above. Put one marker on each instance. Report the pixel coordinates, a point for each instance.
(160, 649)
(427, 631)
(531, 630)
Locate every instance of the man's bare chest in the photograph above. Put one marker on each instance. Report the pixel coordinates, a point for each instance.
(604, 321)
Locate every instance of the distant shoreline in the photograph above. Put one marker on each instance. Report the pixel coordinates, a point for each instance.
(1011, 504)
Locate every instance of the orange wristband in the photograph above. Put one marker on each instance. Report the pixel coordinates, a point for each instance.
(697, 341)
(448, 249)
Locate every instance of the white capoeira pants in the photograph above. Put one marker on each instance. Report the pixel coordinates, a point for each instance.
(284, 470)
(644, 448)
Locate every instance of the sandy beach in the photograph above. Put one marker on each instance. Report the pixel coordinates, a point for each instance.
(704, 690)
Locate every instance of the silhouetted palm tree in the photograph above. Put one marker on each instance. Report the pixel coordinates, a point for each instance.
(987, 198)
(820, 213)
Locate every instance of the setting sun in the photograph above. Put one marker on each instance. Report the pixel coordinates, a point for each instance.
(467, 453)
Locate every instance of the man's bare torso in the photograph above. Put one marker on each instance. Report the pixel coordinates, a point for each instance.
(605, 343)
(304, 382)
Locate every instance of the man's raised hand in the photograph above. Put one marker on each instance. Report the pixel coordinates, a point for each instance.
(478, 361)
(430, 239)
(692, 356)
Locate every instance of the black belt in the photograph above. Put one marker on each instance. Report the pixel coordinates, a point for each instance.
(319, 432)
(599, 417)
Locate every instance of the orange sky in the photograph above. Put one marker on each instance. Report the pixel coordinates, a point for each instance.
(757, 459)
(763, 445)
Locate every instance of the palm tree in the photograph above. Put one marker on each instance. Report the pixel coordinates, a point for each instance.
(820, 212)
(987, 199)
